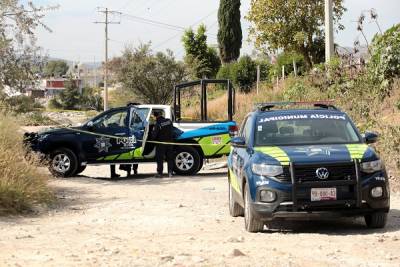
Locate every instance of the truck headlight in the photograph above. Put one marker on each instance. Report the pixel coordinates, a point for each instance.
(371, 166)
(267, 170)
(377, 192)
(267, 196)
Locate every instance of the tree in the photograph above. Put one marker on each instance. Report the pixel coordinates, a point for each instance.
(384, 64)
(230, 30)
(291, 25)
(242, 73)
(56, 68)
(202, 60)
(70, 97)
(246, 73)
(19, 60)
(151, 77)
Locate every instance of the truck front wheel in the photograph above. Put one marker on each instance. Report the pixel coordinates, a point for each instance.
(376, 219)
(187, 160)
(63, 162)
(252, 224)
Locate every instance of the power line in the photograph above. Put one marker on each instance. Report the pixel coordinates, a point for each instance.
(153, 22)
(193, 24)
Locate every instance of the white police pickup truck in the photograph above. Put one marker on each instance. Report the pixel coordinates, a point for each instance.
(121, 136)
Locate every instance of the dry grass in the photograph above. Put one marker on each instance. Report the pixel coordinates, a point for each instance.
(217, 108)
(22, 185)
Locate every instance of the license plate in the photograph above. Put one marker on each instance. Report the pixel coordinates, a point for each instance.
(323, 194)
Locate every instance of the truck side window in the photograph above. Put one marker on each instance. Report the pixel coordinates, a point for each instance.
(136, 122)
(247, 131)
(242, 128)
(115, 119)
(138, 117)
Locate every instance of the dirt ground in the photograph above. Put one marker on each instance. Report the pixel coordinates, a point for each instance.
(183, 221)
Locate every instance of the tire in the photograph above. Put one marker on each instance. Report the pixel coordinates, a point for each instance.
(187, 160)
(80, 169)
(235, 210)
(63, 163)
(200, 165)
(376, 220)
(252, 225)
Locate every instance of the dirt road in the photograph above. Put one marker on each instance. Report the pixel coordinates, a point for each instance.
(179, 222)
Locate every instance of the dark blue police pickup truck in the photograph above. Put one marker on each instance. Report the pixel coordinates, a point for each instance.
(296, 163)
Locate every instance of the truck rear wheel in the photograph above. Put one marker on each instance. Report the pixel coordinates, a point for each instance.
(376, 220)
(63, 162)
(187, 160)
(235, 210)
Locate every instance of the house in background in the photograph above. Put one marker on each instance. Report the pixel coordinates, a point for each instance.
(54, 86)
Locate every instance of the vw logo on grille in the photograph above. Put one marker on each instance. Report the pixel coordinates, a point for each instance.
(322, 173)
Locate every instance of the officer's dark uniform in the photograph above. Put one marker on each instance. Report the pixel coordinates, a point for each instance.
(163, 132)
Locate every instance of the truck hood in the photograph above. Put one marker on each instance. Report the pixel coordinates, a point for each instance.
(59, 131)
(315, 153)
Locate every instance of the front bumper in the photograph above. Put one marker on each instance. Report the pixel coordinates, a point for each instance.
(32, 144)
(294, 201)
(284, 208)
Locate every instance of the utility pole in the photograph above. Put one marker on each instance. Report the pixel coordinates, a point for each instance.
(95, 72)
(329, 48)
(258, 78)
(106, 12)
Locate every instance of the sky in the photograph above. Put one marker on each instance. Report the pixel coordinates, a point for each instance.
(76, 37)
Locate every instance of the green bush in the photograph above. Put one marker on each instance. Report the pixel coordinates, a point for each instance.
(21, 104)
(384, 64)
(242, 73)
(265, 69)
(226, 71)
(245, 73)
(71, 99)
(286, 59)
(297, 91)
(91, 99)
(54, 104)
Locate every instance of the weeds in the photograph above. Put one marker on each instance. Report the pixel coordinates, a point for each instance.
(35, 119)
(22, 185)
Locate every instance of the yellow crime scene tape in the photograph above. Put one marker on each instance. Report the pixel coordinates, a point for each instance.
(153, 142)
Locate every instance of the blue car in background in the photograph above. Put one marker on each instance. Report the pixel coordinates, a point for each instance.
(308, 162)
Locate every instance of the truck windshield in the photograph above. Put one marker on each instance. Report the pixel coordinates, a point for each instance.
(301, 129)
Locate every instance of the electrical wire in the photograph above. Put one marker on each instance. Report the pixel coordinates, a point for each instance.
(193, 24)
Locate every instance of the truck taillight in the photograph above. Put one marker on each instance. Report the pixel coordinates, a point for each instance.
(233, 131)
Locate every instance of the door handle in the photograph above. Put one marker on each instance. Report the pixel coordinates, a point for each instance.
(120, 134)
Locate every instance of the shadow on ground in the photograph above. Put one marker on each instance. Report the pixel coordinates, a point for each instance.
(149, 179)
(338, 227)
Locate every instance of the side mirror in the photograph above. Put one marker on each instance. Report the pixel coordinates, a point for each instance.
(370, 137)
(90, 125)
(238, 141)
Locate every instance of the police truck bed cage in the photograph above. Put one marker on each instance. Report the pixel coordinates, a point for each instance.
(327, 104)
(203, 103)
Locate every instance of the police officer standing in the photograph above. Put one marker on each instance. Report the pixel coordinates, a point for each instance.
(163, 132)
